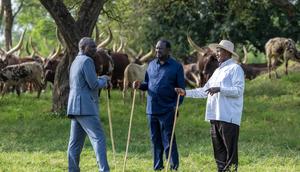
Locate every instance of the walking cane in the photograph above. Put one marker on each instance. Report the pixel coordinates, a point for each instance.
(110, 128)
(129, 130)
(173, 131)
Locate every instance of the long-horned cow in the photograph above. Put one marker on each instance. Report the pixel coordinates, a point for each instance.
(136, 72)
(207, 61)
(280, 48)
(22, 73)
(7, 57)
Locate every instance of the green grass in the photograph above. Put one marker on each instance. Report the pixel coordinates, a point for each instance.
(33, 139)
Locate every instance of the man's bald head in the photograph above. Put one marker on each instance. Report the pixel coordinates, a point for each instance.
(87, 46)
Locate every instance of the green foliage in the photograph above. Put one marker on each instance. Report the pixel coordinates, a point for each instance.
(250, 22)
(140, 23)
(32, 139)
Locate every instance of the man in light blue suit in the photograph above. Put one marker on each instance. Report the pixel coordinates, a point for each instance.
(83, 107)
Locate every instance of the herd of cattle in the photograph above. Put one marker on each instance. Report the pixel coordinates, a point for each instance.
(34, 71)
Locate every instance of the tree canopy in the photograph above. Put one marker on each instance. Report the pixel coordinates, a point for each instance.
(142, 22)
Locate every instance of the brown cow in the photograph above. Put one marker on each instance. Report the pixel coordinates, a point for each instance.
(50, 65)
(121, 61)
(207, 62)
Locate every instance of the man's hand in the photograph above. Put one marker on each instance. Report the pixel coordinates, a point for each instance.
(180, 91)
(108, 80)
(136, 84)
(213, 90)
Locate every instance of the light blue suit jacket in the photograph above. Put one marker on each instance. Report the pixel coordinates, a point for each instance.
(84, 85)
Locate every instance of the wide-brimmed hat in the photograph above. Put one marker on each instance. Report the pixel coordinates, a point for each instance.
(226, 45)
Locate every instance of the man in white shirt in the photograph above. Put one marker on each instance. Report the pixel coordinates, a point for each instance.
(224, 92)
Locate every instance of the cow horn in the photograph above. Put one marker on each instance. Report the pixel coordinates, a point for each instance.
(245, 55)
(32, 55)
(191, 83)
(27, 47)
(196, 79)
(140, 53)
(33, 48)
(147, 56)
(2, 51)
(114, 48)
(195, 46)
(51, 54)
(120, 49)
(56, 53)
(19, 45)
(107, 41)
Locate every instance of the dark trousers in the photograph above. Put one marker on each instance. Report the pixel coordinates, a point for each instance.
(161, 126)
(225, 144)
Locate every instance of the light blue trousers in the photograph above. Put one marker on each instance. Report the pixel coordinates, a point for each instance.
(80, 127)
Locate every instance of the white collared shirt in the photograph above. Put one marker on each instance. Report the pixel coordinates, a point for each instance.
(227, 105)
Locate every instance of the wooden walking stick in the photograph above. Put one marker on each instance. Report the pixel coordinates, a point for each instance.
(110, 128)
(129, 130)
(173, 131)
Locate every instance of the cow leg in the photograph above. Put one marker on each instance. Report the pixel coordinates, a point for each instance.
(1, 86)
(124, 92)
(286, 66)
(18, 90)
(131, 92)
(5, 88)
(39, 87)
(141, 96)
(269, 67)
(274, 67)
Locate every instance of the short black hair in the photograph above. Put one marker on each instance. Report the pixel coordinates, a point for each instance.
(167, 43)
(84, 42)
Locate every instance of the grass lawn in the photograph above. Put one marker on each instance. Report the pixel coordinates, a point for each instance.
(34, 140)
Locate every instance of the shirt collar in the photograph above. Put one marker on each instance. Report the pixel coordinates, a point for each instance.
(227, 62)
(166, 62)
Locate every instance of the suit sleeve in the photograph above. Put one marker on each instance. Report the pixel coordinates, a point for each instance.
(144, 84)
(180, 81)
(90, 76)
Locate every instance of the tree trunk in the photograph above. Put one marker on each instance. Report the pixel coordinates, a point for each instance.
(71, 31)
(1, 13)
(8, 17)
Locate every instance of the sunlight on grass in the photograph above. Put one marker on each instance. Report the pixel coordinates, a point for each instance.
(34, 140)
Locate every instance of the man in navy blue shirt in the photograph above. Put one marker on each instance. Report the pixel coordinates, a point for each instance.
(164, 74)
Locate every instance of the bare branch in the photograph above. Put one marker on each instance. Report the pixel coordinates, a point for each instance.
(63, 20)
(87, 11)
(110, 15)
(18, 9)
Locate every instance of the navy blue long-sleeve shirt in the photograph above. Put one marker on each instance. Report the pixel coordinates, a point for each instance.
(160, 81)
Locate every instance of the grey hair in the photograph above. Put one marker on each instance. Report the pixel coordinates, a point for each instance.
(84, 42)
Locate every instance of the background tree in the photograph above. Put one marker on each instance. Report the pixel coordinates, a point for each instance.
(9, 20)
(72, 30)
